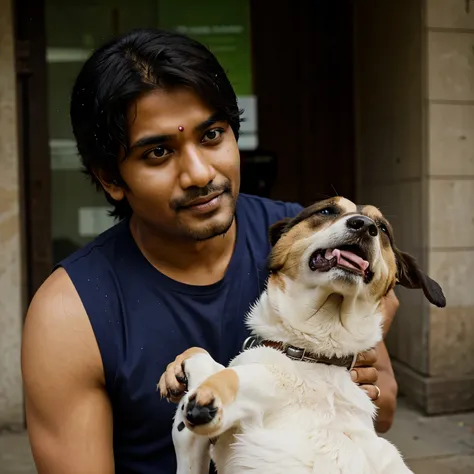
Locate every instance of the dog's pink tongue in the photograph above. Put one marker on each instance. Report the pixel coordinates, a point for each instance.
(347, 259)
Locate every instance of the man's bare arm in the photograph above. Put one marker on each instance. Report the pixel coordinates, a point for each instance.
(68, 413)
(387, 403)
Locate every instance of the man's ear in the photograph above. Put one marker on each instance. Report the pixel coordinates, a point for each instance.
(111, 187)
(411, 276)
(277, 230)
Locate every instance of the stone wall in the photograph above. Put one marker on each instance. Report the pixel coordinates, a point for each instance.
(415, 156)
(449, 95)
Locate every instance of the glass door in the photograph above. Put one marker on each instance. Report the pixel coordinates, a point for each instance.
(73, 29)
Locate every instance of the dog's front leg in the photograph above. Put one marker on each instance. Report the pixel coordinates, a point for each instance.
(229, 397)
(192, 451)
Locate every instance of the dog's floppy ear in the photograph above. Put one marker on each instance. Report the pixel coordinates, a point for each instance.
(277, 230)
(277, 257)
(411, 276)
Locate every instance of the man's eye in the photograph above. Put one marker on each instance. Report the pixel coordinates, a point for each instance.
(212, 135)
(158, 152)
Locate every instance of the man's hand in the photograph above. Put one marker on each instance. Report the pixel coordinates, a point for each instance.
(173, 382)
(373, 371)
(365, 374)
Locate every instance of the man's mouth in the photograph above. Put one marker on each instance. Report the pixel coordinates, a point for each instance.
(204, 199)
(351, 258)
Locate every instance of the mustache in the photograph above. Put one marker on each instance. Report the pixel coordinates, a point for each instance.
(196, 193)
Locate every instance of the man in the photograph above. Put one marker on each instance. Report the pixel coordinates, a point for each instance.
(156, 123)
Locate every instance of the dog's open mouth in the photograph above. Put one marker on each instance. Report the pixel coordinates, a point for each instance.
(351, 258)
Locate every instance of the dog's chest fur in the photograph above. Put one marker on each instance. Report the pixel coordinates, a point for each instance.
(314, 404)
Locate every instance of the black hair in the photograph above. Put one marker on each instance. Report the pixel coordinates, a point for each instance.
(118, 73)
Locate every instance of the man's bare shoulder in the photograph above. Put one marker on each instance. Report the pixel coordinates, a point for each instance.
(67, 409)
(57, 328)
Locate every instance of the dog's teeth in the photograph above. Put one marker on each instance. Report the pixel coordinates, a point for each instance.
(329, 254)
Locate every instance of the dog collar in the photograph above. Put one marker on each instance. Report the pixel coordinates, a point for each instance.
(298, 353)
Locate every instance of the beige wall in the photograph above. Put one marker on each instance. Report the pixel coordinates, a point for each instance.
(450, 117)
(11, 398)
(415, 147)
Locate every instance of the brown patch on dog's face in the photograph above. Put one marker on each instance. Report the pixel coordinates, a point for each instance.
(288, 236)
(286, 255)
(278, 280)
(382, 286)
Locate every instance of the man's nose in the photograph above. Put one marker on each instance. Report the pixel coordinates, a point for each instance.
(196, 170)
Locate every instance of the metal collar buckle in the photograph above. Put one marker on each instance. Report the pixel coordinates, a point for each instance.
(251, 341)
(295, 353)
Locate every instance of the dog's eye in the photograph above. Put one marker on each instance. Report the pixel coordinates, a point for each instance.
(383, 228)
(327, 211)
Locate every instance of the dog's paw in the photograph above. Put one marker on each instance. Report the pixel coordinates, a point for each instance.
(203, 412)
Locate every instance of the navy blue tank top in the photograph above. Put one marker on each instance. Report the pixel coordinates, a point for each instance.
(142, 319)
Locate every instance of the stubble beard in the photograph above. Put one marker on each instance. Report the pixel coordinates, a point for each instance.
(212, 230)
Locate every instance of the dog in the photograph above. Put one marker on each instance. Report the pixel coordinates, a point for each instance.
(287, 404)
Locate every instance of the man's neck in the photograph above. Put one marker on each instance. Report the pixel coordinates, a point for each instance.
(185, 260)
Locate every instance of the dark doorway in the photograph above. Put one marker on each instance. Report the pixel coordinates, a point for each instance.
(33, 139)
(303, 66)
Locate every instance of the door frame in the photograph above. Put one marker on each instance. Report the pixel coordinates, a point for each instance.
(33, 133)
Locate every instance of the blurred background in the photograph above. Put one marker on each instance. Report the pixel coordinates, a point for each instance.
(367, 99)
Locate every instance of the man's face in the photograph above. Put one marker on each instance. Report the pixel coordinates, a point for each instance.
(182, 171)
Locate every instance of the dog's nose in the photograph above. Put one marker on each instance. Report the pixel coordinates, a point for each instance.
(362, 224)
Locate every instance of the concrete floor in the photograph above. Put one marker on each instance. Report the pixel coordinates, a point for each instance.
(435, 445)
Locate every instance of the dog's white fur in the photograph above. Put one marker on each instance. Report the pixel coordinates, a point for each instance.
(289, 416)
